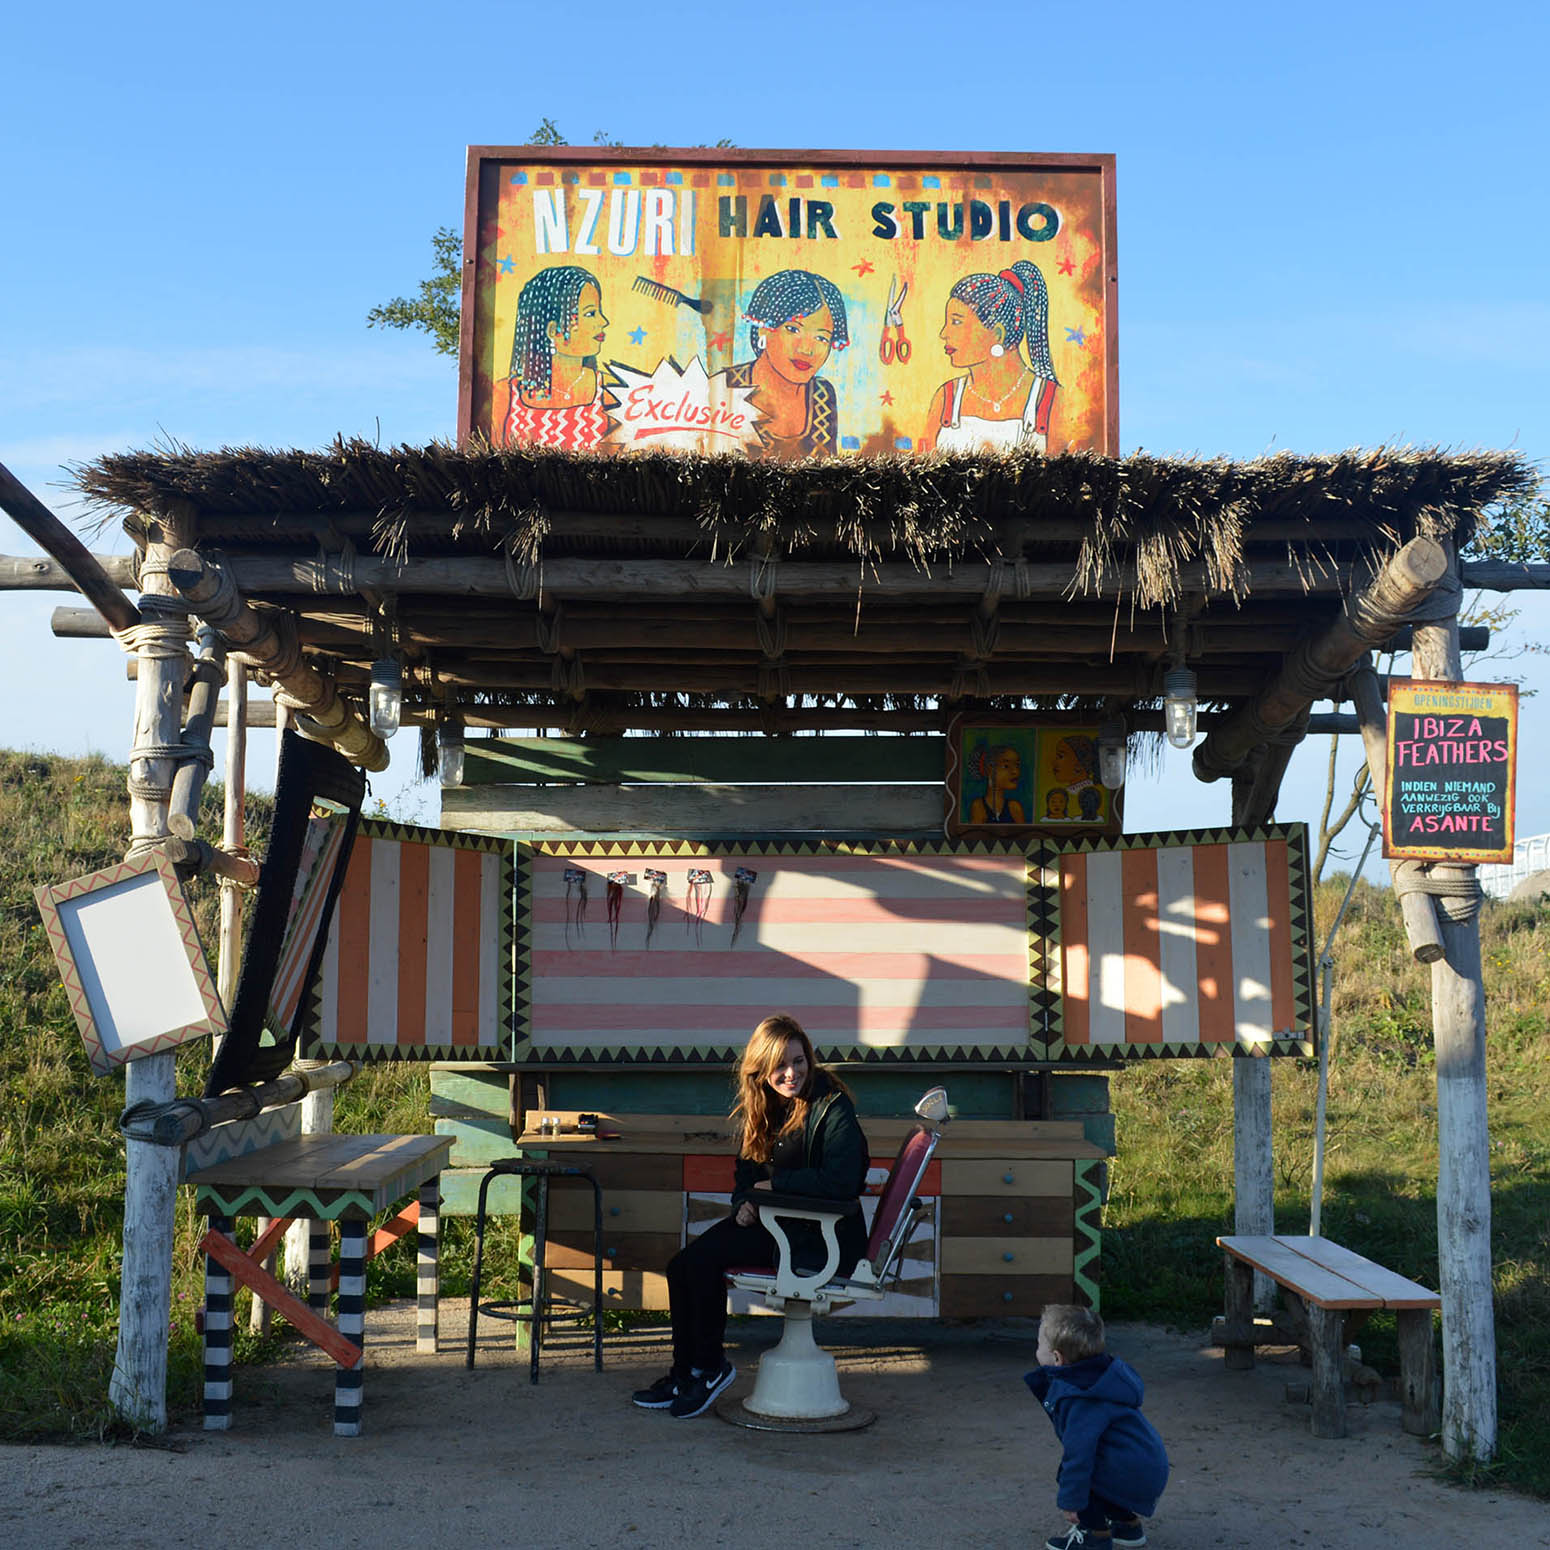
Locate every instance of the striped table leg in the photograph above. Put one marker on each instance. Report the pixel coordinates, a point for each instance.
(320, 1268)
(218, 1322)
(427, 1268)
(352, 1324)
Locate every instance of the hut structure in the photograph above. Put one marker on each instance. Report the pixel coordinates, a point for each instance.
(775, 612)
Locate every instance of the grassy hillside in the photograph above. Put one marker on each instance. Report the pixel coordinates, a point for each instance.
(61, 1161)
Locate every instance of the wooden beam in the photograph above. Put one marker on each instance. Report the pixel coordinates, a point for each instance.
(85, 571)
(1404, 583)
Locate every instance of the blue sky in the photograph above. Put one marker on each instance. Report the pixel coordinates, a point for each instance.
(1332, 230)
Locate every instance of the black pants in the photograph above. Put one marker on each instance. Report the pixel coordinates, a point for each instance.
(1100, 1511)
(697, 1290)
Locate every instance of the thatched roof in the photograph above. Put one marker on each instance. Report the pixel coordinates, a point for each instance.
(878, 593)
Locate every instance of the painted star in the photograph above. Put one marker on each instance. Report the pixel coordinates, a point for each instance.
(887, 397)
(720, 341)
(1067, 267)
(864, 268)
(507, 264)
(637, 335)
(1077, 337)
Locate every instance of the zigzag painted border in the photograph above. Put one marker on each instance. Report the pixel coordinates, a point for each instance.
(524, 1050)
(256, 1200)
(51, 896)
(239, 1137)
(1087, 1236)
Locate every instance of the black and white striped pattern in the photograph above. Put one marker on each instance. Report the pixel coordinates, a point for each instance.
(218, 1325)
(352, 1324)
(427, 1268)
(319, 1265)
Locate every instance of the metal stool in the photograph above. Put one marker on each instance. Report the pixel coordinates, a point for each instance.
(537, 1308)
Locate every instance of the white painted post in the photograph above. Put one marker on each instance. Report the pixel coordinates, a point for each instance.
(1463, 1136)
(138, 1388)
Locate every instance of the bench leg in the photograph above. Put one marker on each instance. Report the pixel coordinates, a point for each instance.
(320, 1267)
(427, 1268)
(1421, 1410)
(1240, 1313)
(352, 1324)
(219, 1287)
(1326, 1332)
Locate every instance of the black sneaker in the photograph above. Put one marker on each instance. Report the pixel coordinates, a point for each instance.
(1078, 1538)
(659, 1396)
(697, 1395)
(1129, 1533)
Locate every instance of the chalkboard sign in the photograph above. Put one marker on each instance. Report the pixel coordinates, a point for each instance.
(1452, 751)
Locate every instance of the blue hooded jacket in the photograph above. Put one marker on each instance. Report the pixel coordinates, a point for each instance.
(1109, 1446)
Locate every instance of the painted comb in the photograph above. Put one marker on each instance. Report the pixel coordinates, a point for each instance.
(665, 293)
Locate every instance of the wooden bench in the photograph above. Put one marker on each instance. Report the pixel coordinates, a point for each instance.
(1335, 1291)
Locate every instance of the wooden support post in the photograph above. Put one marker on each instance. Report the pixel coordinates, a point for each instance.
(1420, 1407)
(1239, 1356)
(1463, 1136)
(302, 1241)
(428, 1269)
(138, 1388)
(352, 1324)
(1326, 1342)
(188, 782)
(219, 1285)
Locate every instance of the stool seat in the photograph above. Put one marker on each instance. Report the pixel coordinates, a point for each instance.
(539, 1307)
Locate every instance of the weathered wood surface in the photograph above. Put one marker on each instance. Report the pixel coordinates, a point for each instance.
(1326, 1273)
(1469, 1417)
(337, 1169)
(700, 809)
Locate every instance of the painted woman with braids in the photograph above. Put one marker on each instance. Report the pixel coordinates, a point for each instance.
(556, 388)
(796, 318)
(1005, 398)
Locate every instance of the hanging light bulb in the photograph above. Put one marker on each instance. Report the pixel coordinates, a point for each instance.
(1179, 706)
(450, 742)
(387, 695)
(1111, 753)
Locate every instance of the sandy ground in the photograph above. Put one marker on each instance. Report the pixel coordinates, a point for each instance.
(959, 1455)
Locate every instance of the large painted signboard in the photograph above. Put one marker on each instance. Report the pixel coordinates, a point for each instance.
(1452, 752)
(788, 303)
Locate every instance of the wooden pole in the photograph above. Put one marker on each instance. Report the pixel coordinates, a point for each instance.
(138, 1388)
(1463, 1135)
(189, 780)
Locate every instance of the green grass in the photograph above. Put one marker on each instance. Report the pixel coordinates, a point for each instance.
(61, 1159)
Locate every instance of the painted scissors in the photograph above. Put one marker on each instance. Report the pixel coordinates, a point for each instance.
(894, 347)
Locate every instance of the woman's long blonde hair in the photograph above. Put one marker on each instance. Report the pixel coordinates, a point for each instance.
(758, 1110)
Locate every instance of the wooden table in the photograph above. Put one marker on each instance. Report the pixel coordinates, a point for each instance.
(329, 1177)
(1336, 1291)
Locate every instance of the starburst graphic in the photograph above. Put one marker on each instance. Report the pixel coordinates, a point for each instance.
(1067, 267)
(864, 268)
(681, 408)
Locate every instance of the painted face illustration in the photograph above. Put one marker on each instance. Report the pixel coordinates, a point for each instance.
(1007, 770)
(789, 1075)
(798, 349)
(965, 339)
(1066, 767)
(587, 330)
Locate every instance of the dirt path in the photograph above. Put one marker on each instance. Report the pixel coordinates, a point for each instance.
(960, 1455)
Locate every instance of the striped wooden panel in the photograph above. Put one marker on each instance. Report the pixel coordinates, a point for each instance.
(624, 1210)
(572, 1249)
(882, 952)
(1036, 1216)
(1022, 1176)
(621, 1288)
(1183, 949)
(990, 1297)
(418, 959)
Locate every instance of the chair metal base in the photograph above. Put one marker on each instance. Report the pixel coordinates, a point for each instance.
(797, 1387)
(737, 1412)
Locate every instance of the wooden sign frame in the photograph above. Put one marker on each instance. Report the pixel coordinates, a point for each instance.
(675, 242)
(1462, 762)
(129, 954)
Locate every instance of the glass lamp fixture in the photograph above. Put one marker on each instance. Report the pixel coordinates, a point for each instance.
(387, 695)
(1179, 706)
(1111, 753)
(450, 743)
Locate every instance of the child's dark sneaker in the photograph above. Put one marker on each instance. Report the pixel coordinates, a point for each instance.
(697, 1395)
(1129, 1533)
(659, 1396)
(1078, 1538)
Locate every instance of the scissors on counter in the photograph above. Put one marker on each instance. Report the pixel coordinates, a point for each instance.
(894, 346)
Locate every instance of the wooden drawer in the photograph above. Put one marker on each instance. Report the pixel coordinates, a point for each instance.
(1007, 1256)
(992, 1297)
(621, 1288)
(624, 1210)
(1017, 1176)
(571, 1249)
(1010, 1216)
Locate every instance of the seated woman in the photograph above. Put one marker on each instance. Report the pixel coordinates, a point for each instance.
(800, 1136)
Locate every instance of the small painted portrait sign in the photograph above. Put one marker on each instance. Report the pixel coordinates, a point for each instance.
(1026, 775)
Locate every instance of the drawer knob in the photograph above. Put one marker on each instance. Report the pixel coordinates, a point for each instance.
(610, 1253)
(613, 1210)
(1008, 1257)
(1006, 1297)
(1008, 1178)
(1007, 1218)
